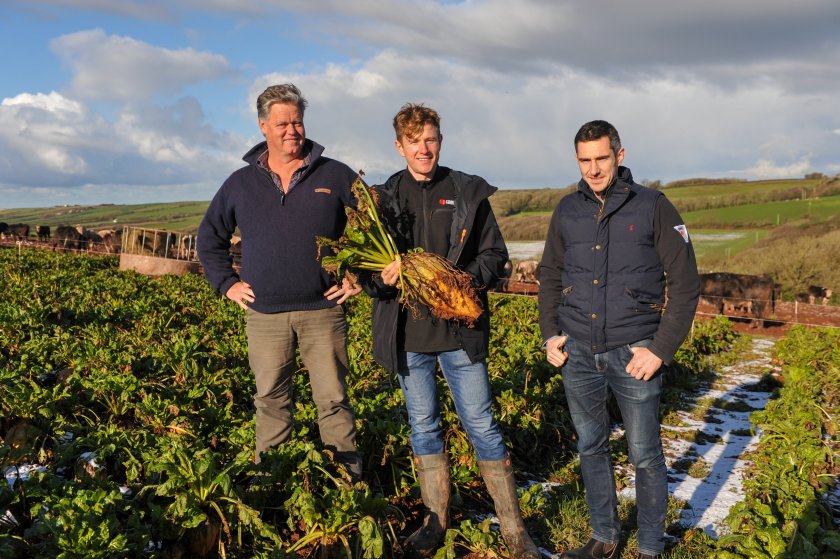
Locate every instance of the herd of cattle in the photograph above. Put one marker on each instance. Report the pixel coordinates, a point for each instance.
(140, 241)
(735, 295)
(66, 237)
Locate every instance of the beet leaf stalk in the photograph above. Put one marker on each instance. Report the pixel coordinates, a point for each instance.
(425, 278)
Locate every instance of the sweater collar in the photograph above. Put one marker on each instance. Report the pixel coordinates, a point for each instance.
(311, 148)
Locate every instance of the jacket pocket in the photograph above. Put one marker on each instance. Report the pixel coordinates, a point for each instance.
(565, 293)
(644, 303)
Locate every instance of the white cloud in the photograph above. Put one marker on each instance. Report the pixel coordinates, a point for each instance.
(766, 169)
(517, 130)
(709, 89)
(42, 134)
(49, 141)
(123, 69)
(49, 102)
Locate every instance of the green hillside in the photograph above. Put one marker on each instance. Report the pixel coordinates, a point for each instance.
(801, 186)
(176, 216)
(765, 214)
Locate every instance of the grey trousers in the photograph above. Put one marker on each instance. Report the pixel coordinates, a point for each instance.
(321, 336)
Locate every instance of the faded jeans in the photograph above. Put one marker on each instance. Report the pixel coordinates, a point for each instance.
(321, 336)
(470, 388)
(586, 379)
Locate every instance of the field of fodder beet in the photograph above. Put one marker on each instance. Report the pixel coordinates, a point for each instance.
(126, 417)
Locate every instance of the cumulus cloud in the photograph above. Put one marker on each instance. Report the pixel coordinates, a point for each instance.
(766, 39)
(708, 89)
(51, 142)
(766, 169)
(123, 69)
(517, 130)
(42, 135)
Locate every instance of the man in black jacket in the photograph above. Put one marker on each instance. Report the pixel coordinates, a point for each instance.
(613, 251)
(287, 195)
(445, 212)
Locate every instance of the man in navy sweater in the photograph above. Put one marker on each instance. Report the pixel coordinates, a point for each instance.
(286, 196)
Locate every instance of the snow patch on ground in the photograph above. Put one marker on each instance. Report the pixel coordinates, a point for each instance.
(725, 438)
(22, 472)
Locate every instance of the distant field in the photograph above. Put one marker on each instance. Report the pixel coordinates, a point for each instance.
(523, 215)
(728, 189)
(717, 243)
(175, 216)
(764, 215)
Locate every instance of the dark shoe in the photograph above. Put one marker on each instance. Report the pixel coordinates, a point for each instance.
(498, 476)
(646, 556)
(593, 549)
(433, 475)
(352, 460)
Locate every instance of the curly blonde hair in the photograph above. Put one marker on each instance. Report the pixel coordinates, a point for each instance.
(411, 119)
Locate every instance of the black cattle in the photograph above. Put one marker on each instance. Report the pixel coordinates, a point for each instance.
(507, 270)
(4, 229)
(90, 240)
(111, 239)
(66, 238)
(43, 232)
(754, 295)
(19, 231)
(817, 293)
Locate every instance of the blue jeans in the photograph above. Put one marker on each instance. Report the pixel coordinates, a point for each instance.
(586, 378)
(470, 389)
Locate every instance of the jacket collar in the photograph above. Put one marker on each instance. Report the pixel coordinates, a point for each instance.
(619, 187)
(471, 189)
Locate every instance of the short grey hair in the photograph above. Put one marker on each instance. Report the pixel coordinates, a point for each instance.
(286, 94)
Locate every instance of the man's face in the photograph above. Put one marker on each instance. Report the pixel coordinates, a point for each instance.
(283, 130)
(598, 164)
(421, 152)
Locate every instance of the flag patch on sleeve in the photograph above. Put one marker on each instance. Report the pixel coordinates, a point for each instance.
(683, 231)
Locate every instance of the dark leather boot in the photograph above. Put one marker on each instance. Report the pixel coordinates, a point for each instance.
(433, 475)
(352, 460)
(498, 476)
(593, 549)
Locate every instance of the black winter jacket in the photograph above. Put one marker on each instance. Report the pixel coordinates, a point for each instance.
(476, 246)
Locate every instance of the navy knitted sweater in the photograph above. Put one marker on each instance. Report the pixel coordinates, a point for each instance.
(280, 258)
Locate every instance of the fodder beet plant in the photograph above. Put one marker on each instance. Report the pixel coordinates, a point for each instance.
(126, 418)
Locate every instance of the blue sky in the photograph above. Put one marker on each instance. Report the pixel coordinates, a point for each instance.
(128, 101)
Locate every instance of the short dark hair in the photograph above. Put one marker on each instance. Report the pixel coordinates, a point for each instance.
(285, 94)
(597, 129)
